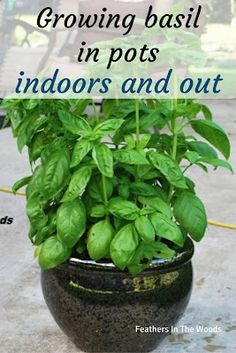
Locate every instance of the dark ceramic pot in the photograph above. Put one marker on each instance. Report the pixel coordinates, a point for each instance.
(105, 310)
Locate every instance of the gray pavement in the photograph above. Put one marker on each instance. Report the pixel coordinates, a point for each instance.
(25, 322)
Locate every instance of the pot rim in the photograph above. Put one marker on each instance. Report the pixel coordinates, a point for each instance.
(178, 260)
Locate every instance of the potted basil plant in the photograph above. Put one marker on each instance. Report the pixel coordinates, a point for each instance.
(113, 215)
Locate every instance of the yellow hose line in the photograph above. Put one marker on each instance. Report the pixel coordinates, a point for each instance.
(9, 191)
(212, 223)
(222, 225)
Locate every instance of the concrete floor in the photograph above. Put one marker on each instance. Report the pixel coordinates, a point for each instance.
(25, 322)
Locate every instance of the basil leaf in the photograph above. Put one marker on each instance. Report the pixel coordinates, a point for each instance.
(143, 142)
(55, 172)
(147, 172)
(140, 188)
(28, 128)
(192, 157)
(37, 146)
(71, 221)
(20, 183)
(30, 104)
(131, 157)
(216, 162)
(103, 158)
(107, 127)
(123, 246)
(166, 228)
(202, 148)
(52, 253)
(95, 188)
(190, 212)
(47, 231)
(99, 240)
(108, 106)
(36, 215)
(214, 134)
(148, 251)
(145, 229)
(34, 188)
(17, 118)
(78, 106)
(75, 125)
(81, 149)
(158, 204)
(206, 112)
(169, 168)
(98, 211)
(124, 191)
(130, 141)
(78, 183)
(123, 209)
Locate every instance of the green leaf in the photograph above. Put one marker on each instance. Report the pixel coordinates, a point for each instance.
(98, 211)
(123, 190)
(103, 158)
(169, 168)
(214, 134)
(30, 104)
(190, 212)
(75, 125)
(16, 117)
(107, 127)
(203, 149)
(28, 128)
(78, 106)
(99, 240)
(145, 229)
(95, 188)
(123, 209)
(123, 109)
(47, 231)
(147, 172)
(123, 246)
(130, 141)
(143, 142)
(192, 156)
(108, 106)
(52, 253)
(217, 163)
(20, 183)
(166, 228)
(36, 215)
(144, 189)
(78, 183)
(206, 112)
(81, 149)
(37, 146)
(34, 188)
(158, 204)
(55, 172)
(130, 157)
(71, 221)
(148, 251)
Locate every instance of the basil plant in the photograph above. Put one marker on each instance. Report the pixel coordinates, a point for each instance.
(112, 186)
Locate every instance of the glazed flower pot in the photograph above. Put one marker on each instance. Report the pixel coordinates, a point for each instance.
(105, 310)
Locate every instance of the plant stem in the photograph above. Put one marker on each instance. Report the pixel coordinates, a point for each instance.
(104, 187)
(95, 112)
(137, 120)
(175, 132)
